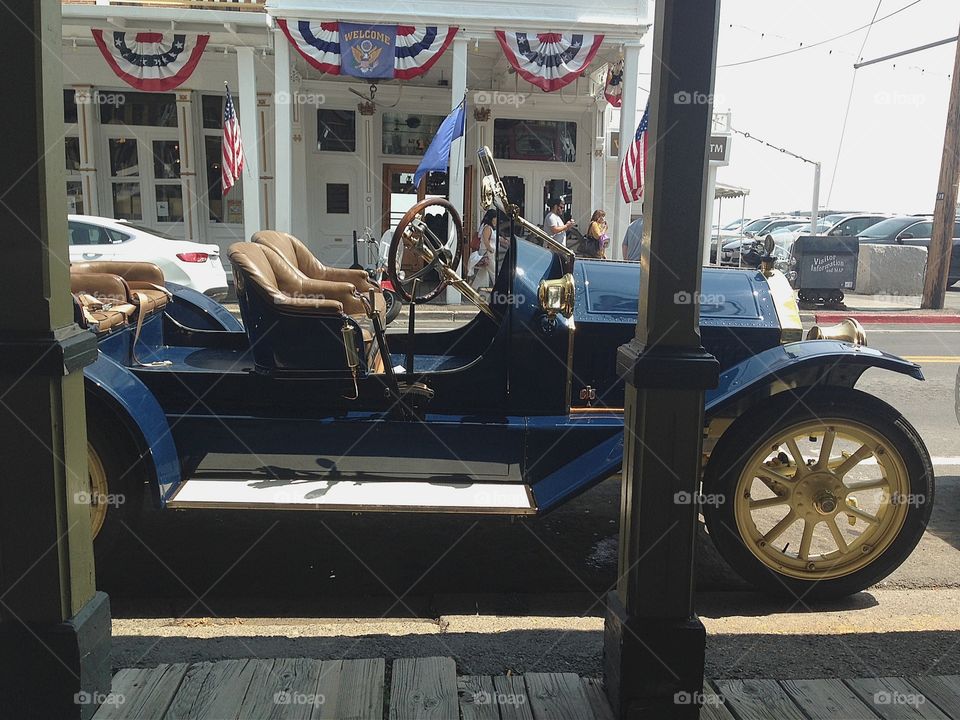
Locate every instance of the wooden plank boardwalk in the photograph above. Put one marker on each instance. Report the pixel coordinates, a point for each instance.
(430, 689)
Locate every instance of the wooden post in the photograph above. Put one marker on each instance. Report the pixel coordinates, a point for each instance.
(945, 207)
(653, 641)
(54, 626)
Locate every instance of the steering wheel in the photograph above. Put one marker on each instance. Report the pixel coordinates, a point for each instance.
(418, 238)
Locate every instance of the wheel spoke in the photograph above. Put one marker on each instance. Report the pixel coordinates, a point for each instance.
(825, 448)
(857, 512)
(837, 535)
(797, 456)
(847, 465)
(778, 529)
(767, 502)
(869, 485)
(806, 539)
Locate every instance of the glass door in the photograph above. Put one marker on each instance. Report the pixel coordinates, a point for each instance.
(144, 180)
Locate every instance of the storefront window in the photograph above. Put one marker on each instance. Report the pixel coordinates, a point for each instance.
(337, 130)
(549, 140)
(126, 201)
(166, 159)
(152, 109)
(338, 198)
(408, 134)
(69, 107)
(72, 145)
(219, 211)
(74, 186)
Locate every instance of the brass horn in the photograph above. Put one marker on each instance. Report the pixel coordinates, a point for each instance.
(850, 330)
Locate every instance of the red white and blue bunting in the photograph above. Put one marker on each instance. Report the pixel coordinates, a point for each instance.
(549, 60)
(613, 87)
(415, 48)
(151, 61)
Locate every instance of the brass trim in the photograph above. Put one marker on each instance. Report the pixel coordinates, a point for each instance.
(785, 304)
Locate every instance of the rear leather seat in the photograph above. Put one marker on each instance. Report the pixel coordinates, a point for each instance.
(110, 294)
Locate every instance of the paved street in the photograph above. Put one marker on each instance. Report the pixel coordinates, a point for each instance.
(430, 584)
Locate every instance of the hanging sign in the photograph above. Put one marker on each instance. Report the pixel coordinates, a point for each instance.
(151, 61)
(549, 60)
(368, 51)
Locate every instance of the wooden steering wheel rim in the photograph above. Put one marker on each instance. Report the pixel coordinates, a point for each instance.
(392, 269)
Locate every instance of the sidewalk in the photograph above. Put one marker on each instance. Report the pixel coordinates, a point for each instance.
(889, 309)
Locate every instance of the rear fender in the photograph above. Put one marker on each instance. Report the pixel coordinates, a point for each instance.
(114, 389)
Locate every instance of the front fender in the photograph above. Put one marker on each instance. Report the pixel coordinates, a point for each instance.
(120, 391)
(807, 362)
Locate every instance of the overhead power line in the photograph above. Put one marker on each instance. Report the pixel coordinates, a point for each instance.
(821, 42)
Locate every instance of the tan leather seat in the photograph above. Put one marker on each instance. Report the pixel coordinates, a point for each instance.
(306, 264)
(286, 288)
(144, 280)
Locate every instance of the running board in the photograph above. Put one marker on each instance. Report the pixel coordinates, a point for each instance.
(356, 496)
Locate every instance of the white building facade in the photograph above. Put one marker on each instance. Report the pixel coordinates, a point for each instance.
(327, 155)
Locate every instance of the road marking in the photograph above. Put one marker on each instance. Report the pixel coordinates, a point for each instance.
(932, 358)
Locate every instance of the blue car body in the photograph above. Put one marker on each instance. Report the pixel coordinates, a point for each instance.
(516, 400)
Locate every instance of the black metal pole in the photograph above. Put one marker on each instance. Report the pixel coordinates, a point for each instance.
(653, 641)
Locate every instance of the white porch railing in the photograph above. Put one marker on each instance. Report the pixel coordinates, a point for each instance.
(256, 5)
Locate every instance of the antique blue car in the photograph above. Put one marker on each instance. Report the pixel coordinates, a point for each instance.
(809, 485)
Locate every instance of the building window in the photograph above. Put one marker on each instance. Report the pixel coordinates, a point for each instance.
(337, 130)
(338, 198)
(151, 109)
(550, 140)
(74, 185)
(614, 150)
(218, 210)
(69, 107)
(408, 134)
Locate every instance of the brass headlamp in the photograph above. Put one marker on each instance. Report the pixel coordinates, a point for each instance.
(557, 296)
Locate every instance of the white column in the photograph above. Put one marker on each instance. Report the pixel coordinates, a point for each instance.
(298, 167)
(283, 101)
(456, 180)
(629, 117)
(249, 132)
(708, 211)
(598, 162)
(265, 123)
(192, 207)
(88, 124)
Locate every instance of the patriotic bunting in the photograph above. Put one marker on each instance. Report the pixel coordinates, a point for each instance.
(151, 61)
(613, 87)
(348, 49)
(549, 60)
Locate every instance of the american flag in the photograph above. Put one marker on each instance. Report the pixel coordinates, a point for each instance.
(232, 164)
(634, 164)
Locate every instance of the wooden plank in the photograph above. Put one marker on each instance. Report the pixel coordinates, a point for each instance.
(328, 686)
(360, 695)
(512, 699)
(757, 700)
(894, 698)
(424, 688)
(597, 697)
(712, 707)
(942, 690)
(220, 693)
(557, 696)
(827, 700)
(142, 692)
(478, 699)
(189, 691)
(282, 689)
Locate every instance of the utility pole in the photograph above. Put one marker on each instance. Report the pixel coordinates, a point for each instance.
(815, 211)
(945, 208)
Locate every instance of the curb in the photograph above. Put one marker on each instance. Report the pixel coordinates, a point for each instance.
(898, 317)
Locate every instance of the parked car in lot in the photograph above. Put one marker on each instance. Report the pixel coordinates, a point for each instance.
(814, 488)
(730, 255)
(852, 225)
(193, 265)
(913, 230)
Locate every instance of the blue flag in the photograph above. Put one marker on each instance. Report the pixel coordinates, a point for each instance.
(437, 157)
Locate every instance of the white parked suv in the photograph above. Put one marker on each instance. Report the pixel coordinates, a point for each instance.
(194, 265)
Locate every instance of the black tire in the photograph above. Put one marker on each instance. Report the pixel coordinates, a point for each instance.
(761, 426)
(393, 305)
(125, 479)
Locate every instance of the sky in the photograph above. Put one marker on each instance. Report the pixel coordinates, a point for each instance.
(890, 156)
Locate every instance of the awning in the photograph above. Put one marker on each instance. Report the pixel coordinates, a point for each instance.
(729, 191)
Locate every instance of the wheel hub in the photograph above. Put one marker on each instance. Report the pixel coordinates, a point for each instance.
(825, 503)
